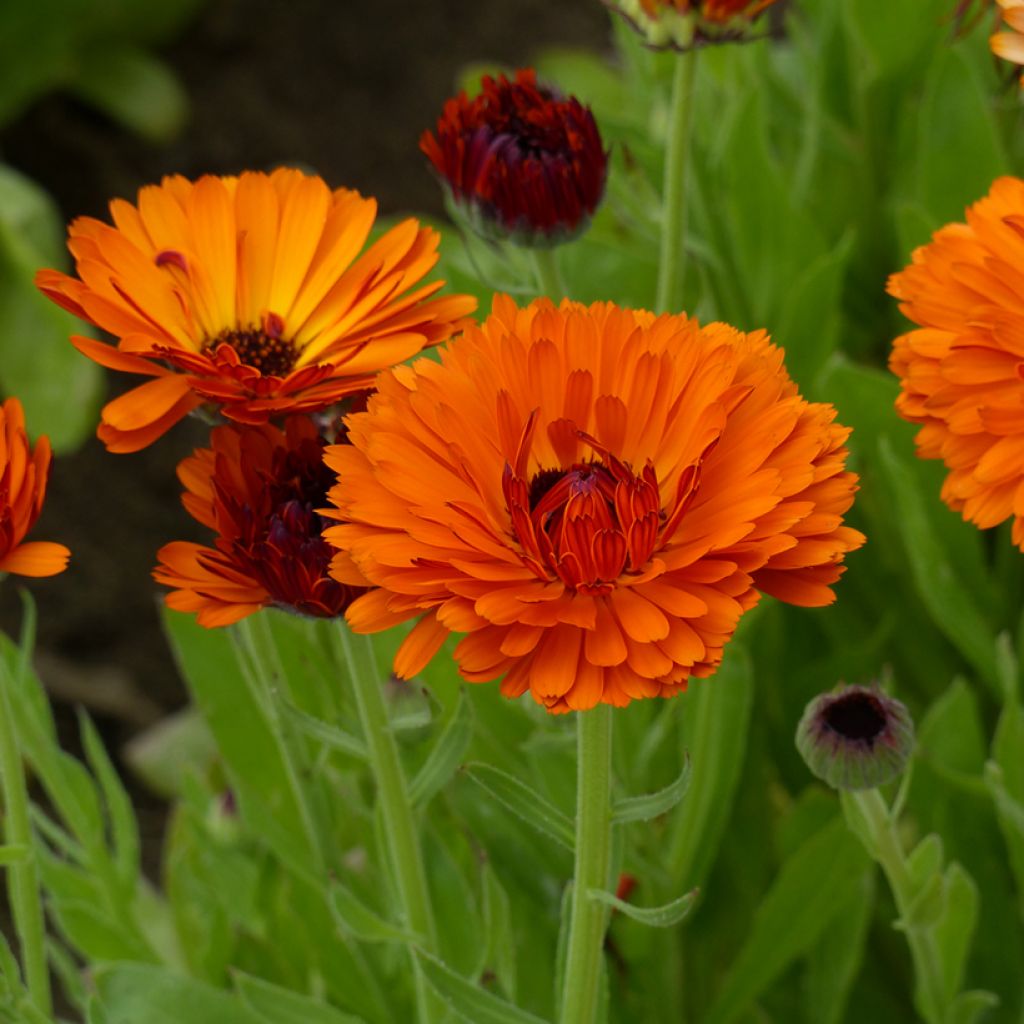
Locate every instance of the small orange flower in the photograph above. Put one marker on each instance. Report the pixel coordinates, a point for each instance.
(260, 489)
(682, 24)
(1010, 45)
(23, 475)
(592, 495)
(249, 293)
(961, 370)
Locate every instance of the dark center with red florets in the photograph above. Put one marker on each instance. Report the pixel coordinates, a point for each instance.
(272, 355)
(856, 716)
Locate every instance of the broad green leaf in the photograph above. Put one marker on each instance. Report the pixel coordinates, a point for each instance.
(523, 801)
(135, 88)
(716, 715)
(276, 1005)
(356, 918)
(651, 805)
(665, 916)
(139, 994)
(954, 931)
(445, 756)
(822, 876)
(471, 1002)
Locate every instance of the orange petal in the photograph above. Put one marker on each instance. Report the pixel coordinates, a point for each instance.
(36, 558)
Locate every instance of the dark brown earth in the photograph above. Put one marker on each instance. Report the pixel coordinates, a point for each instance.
(341, 88)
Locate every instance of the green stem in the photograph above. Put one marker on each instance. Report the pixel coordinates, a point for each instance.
(587, 917)
(870, 818)
(549, 277)
(393, 797)
(673, 214)
(22, 876)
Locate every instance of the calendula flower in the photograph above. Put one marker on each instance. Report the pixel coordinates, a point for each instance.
(259, 488)
(592, 495)
(1010, 45)
(683, 24)
(23, 474)
(960, 371)
(523, 162)
(856, 737)
(249, 293)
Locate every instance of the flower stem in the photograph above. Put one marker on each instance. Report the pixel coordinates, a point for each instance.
(549, 277)
(393, 798)
(673, 214)
(23, 875)
(588, 917)
(870, 819)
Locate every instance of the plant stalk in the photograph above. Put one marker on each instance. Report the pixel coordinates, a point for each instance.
(549, 277)
(671, 266)
(589, 918)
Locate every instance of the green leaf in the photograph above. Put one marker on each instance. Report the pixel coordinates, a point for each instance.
(166, 753)
(13, 853)
(446, 755)
(276, 1005)
(471, 1002)
(1010, 815)
(500, 954)
(134, 88)
(970, 1007)
(523, 801)
(947, 600)
(651, 805)
(356, 918)
(954, 931)
(329, 735)
(716, 716)
(822, 876)
(665, 916)
(139, 994)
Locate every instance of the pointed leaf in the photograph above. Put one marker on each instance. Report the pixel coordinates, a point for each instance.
(665, 916)
(356, 918)
(329, 735)
(651, 805)
(446, 756)
(277, 1005)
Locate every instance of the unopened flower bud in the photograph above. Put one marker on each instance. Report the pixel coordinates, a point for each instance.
(683, 24)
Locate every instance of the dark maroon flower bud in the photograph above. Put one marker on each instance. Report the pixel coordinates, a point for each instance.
(523, 162)
(856, 737)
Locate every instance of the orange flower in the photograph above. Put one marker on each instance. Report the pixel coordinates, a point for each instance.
(961, 370)
(249, 293)
(592, 495)
(1010, 45)
(260, 489)
(23, 475)
(682, 24)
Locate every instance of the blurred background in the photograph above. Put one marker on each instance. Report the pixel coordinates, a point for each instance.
(99, 98)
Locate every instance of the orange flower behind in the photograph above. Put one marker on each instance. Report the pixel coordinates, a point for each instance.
(259, 488)
(249, 293)
(961, 370)
(1010, 45)
(592, 495)
(23, 475)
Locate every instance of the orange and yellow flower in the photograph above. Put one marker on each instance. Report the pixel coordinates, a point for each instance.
(23, 474)
(260, 489)
(961, 370)
(1010, 45)
(682, 24)
(592, 495)
(249, 293)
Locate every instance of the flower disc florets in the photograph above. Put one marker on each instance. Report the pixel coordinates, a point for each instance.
(856, 737)
(684, 24)
(593, 496)
(521, 161)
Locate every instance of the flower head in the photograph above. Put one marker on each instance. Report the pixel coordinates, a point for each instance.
(1010, 45)
(961, 370)
(23, 474)
(260, 489)
(523, 162)
(249, 293)
(683, 24)
(592, 495)
(856, 737)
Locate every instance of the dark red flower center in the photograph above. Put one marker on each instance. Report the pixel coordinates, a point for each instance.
(272, 355)
(856, 716)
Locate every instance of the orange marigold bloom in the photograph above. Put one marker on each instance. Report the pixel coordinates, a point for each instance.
(260, 489)
(1010, 45)
(249, 293)
(682, 24)
(593, 495)
(23, 475)
(961, 370)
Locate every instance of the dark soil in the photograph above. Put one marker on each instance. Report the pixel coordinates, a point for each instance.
(342, 88)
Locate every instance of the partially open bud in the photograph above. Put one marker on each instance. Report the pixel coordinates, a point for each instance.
(855, 737)
(683, 24)
(520, 161)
